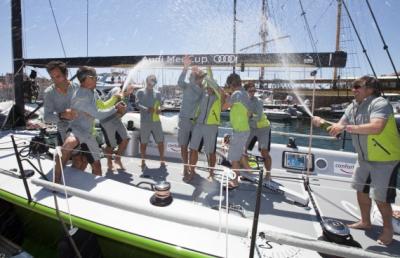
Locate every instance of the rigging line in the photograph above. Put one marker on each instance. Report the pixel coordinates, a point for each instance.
(359, 39)
(349, 45)
(70, 239)
(323, 14)
(19, 69)
(385, 47)
(227, 213)
(309, 154)
(314, 47)
(58, 151)
(23, 26)
(220, 206)
(87, 27)
(58, 31)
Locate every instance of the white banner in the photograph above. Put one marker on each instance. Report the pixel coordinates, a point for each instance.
(173, 147)
(343, 168)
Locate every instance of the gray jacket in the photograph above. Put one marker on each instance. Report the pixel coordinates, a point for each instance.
(84, 102)
(191, 97)
(146, 99)
(56, 103)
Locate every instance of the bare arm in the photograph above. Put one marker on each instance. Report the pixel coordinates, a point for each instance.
(375, 126)
(186, 63)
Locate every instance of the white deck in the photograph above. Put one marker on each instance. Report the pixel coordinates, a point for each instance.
(115, 201)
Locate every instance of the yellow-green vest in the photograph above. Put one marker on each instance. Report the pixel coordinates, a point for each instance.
(386, 145)
(156, 117)
(263, 122)
(213, 117)
(100, 104)
(239, 117)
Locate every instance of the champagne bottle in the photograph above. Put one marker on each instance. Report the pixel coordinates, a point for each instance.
(325, 125)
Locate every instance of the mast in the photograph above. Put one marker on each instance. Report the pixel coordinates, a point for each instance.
(338, 24)
(16, 31)
(263, 35)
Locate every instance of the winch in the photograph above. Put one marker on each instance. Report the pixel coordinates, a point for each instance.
(162, 196)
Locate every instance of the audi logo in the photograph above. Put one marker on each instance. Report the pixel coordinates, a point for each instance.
(219, 59)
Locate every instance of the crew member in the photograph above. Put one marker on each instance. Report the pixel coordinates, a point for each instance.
(191, 96)
(206, 129)
(260, 129)
(239, 119)
(370, 121)
(149, 102)
(81, 128)
(57, 106)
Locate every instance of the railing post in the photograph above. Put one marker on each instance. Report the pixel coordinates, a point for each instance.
(256, 214)
(21, 169)
(343, 140)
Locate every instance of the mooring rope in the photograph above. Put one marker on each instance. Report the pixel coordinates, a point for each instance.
(59, 154)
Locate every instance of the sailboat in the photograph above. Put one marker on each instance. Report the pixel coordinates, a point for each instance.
(151, 212)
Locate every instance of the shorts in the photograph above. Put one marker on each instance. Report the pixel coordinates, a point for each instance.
(185, 130)
(237, 146)
(154, 128)
(206, 134)
(380, 176)
(262, 135)
(62, 129)
(114, 132)
(94, 152)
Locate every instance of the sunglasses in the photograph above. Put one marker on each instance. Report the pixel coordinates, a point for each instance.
(356, 87)
(91, 76)
(252, 91)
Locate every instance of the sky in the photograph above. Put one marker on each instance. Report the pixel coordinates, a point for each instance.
(139, 27)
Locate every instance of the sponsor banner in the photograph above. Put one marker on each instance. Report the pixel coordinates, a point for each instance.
(323, 59)
(343, 168)
(173, 147)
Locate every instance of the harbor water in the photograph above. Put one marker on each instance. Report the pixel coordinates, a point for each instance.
(281, 131)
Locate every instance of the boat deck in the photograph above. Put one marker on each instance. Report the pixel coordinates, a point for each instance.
(334, 198)
(206, 192)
